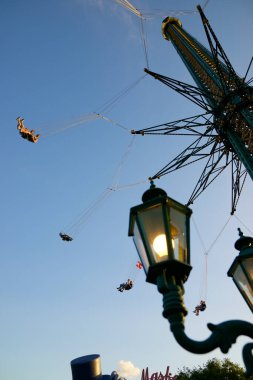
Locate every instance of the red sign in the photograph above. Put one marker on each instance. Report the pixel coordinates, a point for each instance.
(156, 376)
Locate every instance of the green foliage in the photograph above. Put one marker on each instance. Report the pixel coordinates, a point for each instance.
(214, 370)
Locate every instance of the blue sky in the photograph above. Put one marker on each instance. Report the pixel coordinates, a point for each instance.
(62, 60)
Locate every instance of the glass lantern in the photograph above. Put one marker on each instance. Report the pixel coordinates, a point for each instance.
(241, 269)
(160, 227)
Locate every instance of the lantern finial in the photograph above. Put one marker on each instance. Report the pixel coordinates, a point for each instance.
(152, 184)
(240, 232)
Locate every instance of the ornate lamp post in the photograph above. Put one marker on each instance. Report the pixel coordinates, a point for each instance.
(242, 268)
(160, 227)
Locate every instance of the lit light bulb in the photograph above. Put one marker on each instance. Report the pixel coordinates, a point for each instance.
(160, 245)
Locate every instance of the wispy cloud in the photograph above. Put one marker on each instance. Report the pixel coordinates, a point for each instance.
(127, 369)
(127, 18)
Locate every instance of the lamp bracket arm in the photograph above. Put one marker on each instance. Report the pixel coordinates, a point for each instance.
(223, 336)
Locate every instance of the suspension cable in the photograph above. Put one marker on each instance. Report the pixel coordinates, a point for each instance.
(107, 106)
(244, 225)
(203, 290)
(144, 40)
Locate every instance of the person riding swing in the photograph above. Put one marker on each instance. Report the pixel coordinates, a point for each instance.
(126, 285)
(200, 307)
(25, 132)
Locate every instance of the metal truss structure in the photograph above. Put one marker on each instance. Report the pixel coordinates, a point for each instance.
(224, 132)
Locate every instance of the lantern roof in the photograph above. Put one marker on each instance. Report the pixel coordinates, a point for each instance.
(153, 192)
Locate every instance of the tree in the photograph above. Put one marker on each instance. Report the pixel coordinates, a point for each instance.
(214, 369)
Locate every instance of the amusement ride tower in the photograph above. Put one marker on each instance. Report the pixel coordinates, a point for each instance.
(224, 132)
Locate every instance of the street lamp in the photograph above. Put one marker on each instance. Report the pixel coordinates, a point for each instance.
(242, 268)
(160, 227)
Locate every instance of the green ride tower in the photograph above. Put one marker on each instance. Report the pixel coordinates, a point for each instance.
(227, 101)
